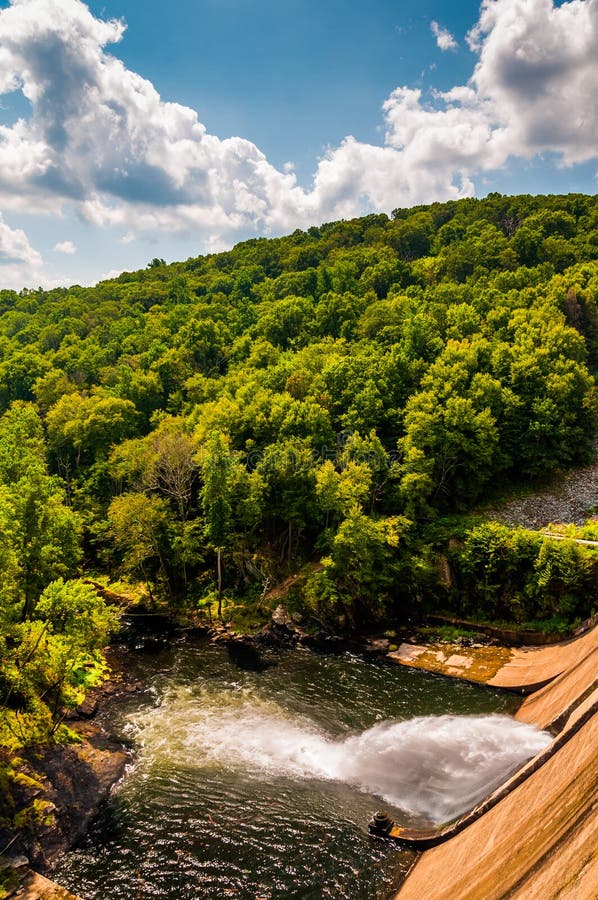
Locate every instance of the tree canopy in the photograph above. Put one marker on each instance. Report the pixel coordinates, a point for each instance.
(317, 398)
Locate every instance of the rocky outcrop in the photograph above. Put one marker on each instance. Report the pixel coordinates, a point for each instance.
(59, 788)
(76, 780)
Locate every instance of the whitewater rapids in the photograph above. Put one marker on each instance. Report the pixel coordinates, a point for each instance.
(433, 767)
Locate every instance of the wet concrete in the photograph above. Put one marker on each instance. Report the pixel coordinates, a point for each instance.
(36, 887)
(539, 839)
(478, 664)
(521, 669)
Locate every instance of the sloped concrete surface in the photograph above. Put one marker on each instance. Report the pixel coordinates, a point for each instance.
(531, 667)
(36, 887)
(545, 707)
(541, 839)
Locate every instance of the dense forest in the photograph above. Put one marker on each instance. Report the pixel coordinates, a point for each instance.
(332, 405)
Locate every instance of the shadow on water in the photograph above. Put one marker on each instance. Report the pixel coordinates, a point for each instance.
(247, 657)
(146, 632)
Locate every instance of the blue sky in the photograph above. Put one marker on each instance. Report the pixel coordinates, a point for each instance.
(290, 76)
(208, 121)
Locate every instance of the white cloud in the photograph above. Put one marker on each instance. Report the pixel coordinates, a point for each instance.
(15, 247)
(65, 247)
(111, 275)
(534, 90)
(538, 66)
(19, 263)
(100, 139)
(444, 38)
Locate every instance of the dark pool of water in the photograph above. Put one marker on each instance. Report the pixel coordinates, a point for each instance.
(235, 790)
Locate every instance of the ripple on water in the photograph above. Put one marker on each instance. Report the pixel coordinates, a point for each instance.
(239, 788)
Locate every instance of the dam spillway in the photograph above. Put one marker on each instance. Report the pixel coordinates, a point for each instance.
(539, 841)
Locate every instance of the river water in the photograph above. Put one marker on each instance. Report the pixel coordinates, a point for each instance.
(259, 781)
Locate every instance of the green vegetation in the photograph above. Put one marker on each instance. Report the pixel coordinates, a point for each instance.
(331, 403)
(52, 630)
(514, 575)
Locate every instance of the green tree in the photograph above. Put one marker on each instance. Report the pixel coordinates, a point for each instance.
(139, 525)
(44, 534)
(362, 570)
(448, 452)
(288, 470)
(216, 499)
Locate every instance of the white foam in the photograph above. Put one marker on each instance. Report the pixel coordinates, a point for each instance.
(431, 766)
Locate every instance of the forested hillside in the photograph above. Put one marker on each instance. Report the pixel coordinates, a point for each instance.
(319, 403)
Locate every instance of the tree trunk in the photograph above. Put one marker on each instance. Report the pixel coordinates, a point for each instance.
(219, 569)
(147, 583)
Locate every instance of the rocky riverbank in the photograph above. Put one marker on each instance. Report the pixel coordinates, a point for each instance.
(76, 780)
(66, 784)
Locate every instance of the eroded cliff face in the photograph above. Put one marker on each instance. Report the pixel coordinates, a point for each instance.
(68, 784)
(79, 779)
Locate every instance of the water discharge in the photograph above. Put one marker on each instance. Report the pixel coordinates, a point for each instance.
(434, 767)
(254, 784)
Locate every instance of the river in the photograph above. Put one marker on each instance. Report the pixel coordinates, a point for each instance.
(258, 781)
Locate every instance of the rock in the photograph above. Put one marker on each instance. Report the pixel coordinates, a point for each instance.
(13, 862)
(282, 631)
(36, 887)
(245, 655)
(378, 645)
(322, 640)
(88, 708)
(445, 573)
(459, 662)
(76, 780)
(281, 617)
(407, 653)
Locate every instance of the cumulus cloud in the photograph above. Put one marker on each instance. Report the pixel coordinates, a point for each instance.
(111, 275)
(444, 39)
(101, 140)
(538, 67)
(65, 247)
(15, 247)
(19, 263)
